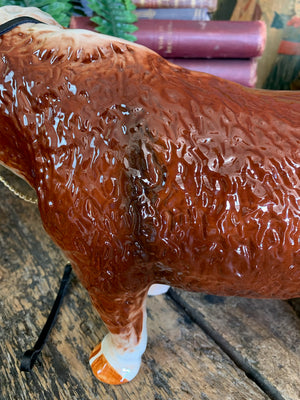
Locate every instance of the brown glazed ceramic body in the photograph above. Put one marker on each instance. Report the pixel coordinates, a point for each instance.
(149, 173)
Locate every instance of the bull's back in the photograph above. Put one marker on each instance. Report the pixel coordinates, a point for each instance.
(220, 204)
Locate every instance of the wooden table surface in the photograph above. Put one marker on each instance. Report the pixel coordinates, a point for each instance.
(200, 347)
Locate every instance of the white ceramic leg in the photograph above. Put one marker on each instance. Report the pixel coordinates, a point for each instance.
(117, 359)
(157, 289)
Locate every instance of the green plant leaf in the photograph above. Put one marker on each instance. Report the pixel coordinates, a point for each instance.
(114, 17)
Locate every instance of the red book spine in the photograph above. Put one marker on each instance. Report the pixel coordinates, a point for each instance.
(211, 5)
(243, 72)
(203, 39)
(78, 22)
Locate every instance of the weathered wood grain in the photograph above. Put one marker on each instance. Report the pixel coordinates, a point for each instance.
(180, 363)
(295, 304)
(265, 332)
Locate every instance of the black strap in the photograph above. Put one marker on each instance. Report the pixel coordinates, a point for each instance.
(13, 23)
(30, 356)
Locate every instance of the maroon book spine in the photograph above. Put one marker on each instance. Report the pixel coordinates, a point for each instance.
(211, 5)
(203, 39)
(211, 39)
(240, 71)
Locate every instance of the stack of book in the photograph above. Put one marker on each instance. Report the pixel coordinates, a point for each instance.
(175, 10)
(183, 32)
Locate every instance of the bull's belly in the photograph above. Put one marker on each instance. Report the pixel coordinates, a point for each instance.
(230, 266)
(268, 280)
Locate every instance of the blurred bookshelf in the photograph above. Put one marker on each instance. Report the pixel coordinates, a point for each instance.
(276, 14)
(278, 67)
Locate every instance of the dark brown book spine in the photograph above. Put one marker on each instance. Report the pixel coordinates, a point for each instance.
(211, 5)
(203, 39)
(243, 72)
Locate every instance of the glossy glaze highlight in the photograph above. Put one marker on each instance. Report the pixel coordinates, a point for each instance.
(148, 173)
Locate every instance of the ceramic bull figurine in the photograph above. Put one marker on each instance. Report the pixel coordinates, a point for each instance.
(147, 173)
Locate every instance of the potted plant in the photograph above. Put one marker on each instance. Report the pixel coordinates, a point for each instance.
(111, 17)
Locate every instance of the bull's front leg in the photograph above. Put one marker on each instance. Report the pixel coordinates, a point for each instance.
(117, 358)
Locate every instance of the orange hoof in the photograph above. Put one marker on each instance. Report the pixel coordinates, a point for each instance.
(103, 370)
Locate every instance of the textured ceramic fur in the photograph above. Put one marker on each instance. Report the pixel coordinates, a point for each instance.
(148, 173)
